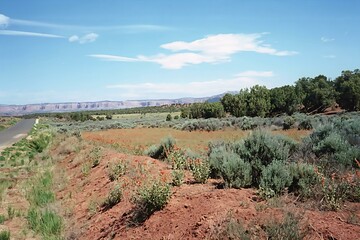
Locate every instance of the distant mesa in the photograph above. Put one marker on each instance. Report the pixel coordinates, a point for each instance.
(18, 110)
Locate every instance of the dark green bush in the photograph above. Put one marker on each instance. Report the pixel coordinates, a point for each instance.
(168, 117)
(288, 123)
(40, 143)
(4, 235)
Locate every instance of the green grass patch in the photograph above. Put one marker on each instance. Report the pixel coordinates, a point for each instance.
(40, 192)
(47, 223)
(4, 235)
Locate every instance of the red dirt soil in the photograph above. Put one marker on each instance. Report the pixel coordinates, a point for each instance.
(193, 212)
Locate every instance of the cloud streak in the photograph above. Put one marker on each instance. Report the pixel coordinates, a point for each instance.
(211, 49)
(28, 34)
(132, 28)
(325, 40)
(329, 56)
(88, 38)
(4, 21)
(192, 89)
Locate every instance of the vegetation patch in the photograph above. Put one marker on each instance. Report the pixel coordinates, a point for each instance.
(151, 197)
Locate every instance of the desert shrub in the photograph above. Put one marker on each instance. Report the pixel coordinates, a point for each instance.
(353, 194)
(277, 121)
(161, 150)
(288, 122)
(238, 161)
(4, 235)
(114, 197)
(347, 157)
(334, 192)
(235, 171)
(329, 143)
(216, 155)
(229, 228)
(200, 170)
(266, 147)
(46, 222)
(211, 124)
(69, 145)
(288, 228)
(177, 159)
(95, 156)
(350, 130)
(261, 148)
(116, 169)
(150, 198)
(245, 123)
(275, 178)
(305, 124)
(332, 143)
(305, 177)
(178, 177)
(40, 143)
(168, 117)
(321, 133)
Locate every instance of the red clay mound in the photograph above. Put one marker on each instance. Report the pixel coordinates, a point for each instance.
(195, 211)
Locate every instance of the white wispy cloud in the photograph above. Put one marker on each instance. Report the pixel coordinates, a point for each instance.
(131, 28)
(211, 49)
(255, 74)
(329, 56)
(227, 44)
(4, 21)
(172, 61)
(191, 89)
(88, 38)
(325, 39)
(28, 34)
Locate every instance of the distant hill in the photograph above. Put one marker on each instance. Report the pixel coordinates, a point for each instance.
(17, 110)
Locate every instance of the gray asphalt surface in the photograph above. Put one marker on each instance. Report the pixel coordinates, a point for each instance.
(15, 133)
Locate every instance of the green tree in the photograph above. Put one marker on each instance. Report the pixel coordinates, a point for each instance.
(207, 110)
(228, 102)
(348, 88)
(316, 94)
(185, 112)
(168, 117)
(283, 100)
(258, 101)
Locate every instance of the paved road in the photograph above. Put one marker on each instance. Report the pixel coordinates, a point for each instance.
(15, 133)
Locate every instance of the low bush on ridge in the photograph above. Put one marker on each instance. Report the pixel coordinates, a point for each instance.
(160, 151)
(150, 198)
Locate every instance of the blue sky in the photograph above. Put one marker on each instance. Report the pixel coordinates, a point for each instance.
(61, 51)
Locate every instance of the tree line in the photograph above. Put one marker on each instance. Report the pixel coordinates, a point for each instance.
(308, 95)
